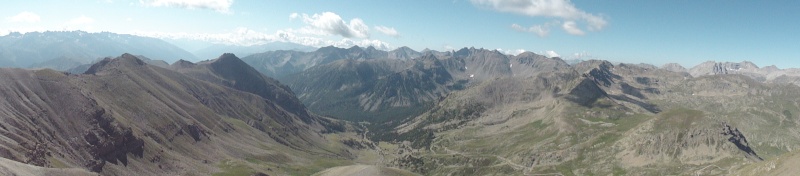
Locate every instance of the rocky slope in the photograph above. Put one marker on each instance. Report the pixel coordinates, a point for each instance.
(126, 117)
(601, 118)
(529, 114)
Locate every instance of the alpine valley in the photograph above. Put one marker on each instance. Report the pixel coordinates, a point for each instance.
(365, 111)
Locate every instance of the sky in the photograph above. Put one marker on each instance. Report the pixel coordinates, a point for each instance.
(687, 32)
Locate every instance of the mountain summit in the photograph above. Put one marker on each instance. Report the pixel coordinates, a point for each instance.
(125, 116)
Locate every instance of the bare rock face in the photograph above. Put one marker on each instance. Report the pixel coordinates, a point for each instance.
(685, 136)
(110, 143)
(769, 74)
(738, 139)
(586, 93)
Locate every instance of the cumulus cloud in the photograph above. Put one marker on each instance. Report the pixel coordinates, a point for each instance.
(583, 56)
(390, 31)
(248, 37)
(572, 28)
(511, 52)
(222, 6)
(561, 9)
(25, 17)
(329, 23)
(551, 53)
(540, 30)
(448, 47)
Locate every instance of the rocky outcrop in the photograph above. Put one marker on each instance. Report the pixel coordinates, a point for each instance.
(685, 136)
(108, 142)
(767, 74)
(737, 138)
(586, 93)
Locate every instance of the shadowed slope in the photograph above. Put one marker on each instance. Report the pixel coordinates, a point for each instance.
(127, 117)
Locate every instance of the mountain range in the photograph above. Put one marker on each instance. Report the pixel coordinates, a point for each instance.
(360, 110)
(213, 50)
(126, 117)
(64, 49)
(478, 112)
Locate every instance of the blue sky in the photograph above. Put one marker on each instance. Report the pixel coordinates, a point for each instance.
(656, 32)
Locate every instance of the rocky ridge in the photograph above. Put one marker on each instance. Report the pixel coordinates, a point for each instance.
(124, 116)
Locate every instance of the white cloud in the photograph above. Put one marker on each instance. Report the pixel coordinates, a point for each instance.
(248, 37)
(25, 17)
(551, 53)
(572, 28)
(511, 52)
(294, 16)
(584, 56)
(329, 23)
(344, 43)
(448, 47)
(562, 9)
(540, 30)
(82, 20)
(222, 6)
(390, 31)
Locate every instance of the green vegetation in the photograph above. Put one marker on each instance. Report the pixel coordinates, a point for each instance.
(56, 163)
(678, 119)
(233, 168)
(318, 165)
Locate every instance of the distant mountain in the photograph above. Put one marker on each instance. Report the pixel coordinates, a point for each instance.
(403, 53)
(674, 67)
(60, 50)
(370, 89)
(215, 50)
(282, 62)
(573, 61)
(363, 84)
(766, 74)
(124, 116)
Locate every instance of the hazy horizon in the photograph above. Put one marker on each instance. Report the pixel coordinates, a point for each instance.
(687, 33)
